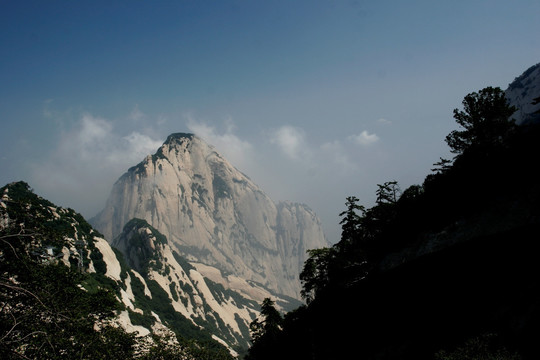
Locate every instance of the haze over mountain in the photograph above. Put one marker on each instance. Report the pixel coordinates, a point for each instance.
(158, 291)
(357, 86)
(214, 215)
(445, 269)
(456, 252)
(222, 246)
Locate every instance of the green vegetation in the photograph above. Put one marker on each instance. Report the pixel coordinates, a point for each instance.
(265, 332)
(124, 267)
(221, 294)
(52, 311)
(424, 273)
(190, 335)
(484, 347)
(136, 223)
(221, 189)
(45, 314)
(172, 289)
(485, 120)
(183, 262)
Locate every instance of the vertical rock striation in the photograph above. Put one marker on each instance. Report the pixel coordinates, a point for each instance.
(215, 215)
(524, 94)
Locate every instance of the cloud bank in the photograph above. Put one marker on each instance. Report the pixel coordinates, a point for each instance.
(291, 141)
(364, 138)
(286, 161)
(87, 160)
(239, 152)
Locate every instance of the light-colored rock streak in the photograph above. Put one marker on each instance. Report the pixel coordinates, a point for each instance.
(213, 214)
(113, 265)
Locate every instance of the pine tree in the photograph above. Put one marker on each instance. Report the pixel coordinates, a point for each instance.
(265, 332)
(485, 120)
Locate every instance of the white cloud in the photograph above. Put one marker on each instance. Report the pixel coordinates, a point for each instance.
(333, 154)
(364, 138)
(92, 136)
(383, 121)
(95, 141)
(338, 155)
(137, 114)
(87, 160)
(134, 147)
(236, 150)
(291, 141)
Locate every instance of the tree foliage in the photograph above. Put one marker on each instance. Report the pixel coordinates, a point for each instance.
(315, 275)
(52, 310)
(265, 331)
(45, 310)
(364, 293)
(483, 347)
(351, 220)
(46, 314)
(485, 120)
(387, 193)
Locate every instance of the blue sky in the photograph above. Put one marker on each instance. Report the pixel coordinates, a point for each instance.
(314, 100)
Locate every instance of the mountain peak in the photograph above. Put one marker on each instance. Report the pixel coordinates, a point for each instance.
(179, 137)
(214, 215)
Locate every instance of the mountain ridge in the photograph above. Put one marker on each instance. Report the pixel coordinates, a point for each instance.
(214, 214)
(159, 292)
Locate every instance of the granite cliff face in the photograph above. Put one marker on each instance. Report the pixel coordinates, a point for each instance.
(214, 215)
(160, 292)
(524, 94)
(225, 313)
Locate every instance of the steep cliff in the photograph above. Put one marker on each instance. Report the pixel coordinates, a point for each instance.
(214, 215)
(224, 306)
(54, 266)
(159, 291)
(524, 94)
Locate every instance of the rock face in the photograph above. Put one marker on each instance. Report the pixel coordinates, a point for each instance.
(522, 93)
(214, 215)
(161, 292)
(206, 303)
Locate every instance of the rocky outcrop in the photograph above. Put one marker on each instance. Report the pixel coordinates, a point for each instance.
(214, 215)
(524, 94)
(161, 293)
(205, 302)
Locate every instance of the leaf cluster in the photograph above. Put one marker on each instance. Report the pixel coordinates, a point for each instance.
(485, 120)
(265, 331)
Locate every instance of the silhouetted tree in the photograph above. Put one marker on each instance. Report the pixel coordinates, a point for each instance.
(316, 272)
(379, 216)
(485, 120)
(351, 222)
(265, 332)
(387, 193)
(442, 166)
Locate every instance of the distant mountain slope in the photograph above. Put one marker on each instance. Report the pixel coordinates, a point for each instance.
(214, 215)
(225, 313)
(159, 291)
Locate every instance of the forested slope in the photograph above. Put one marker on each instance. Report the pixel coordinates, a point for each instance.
(437, 270)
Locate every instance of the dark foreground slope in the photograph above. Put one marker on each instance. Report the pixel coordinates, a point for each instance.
(448, 268)
(488, 285)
